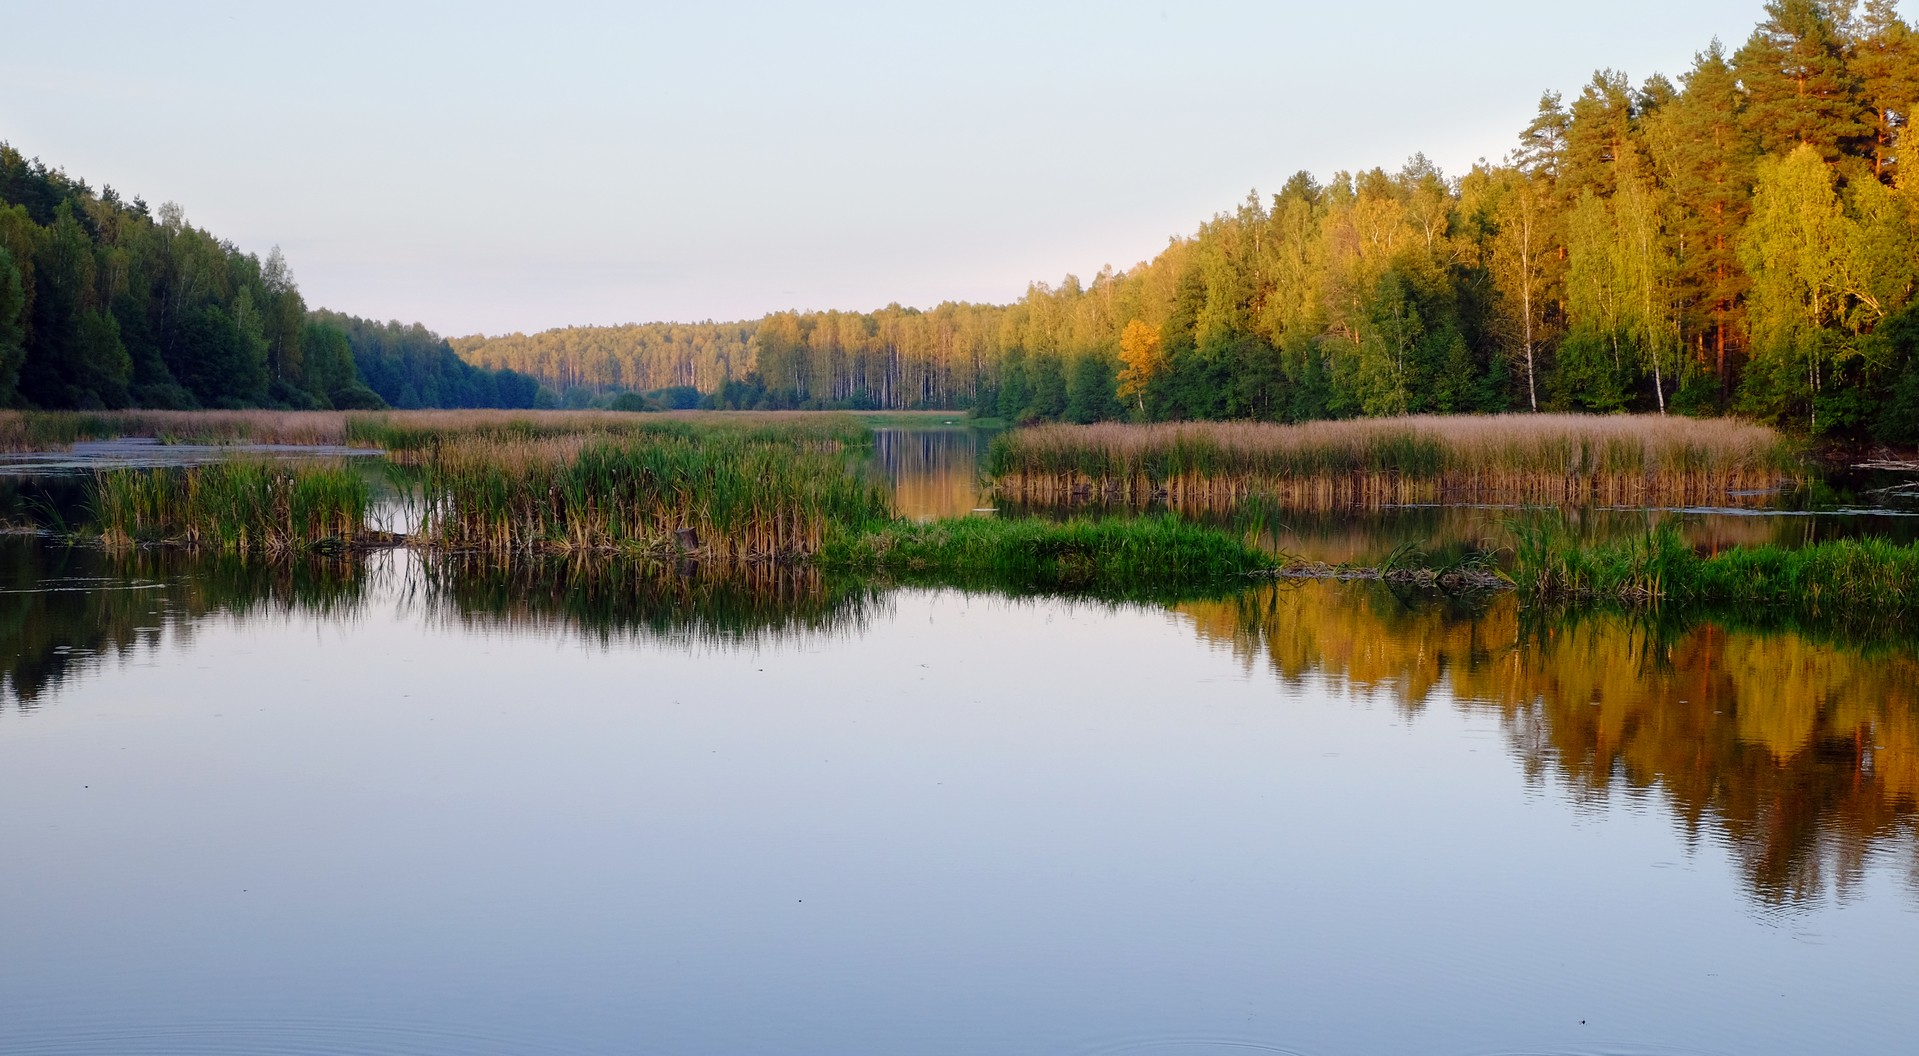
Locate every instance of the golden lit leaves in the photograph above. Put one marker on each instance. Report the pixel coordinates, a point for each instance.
(1139, 350)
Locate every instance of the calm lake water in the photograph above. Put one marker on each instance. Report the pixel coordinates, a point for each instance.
(416, 807)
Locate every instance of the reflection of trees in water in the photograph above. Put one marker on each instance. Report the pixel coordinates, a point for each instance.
(67, 609)
(935, 472)
(1802, 755)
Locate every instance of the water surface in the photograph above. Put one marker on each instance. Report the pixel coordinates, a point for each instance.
(404, 807)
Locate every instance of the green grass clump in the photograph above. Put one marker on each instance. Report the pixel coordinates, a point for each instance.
(1136, 558)
(241, 505)
(1848, 579)
(720, 496)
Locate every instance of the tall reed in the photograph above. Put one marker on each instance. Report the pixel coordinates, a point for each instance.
(238, 505)
(719, 496)
(1572, 459)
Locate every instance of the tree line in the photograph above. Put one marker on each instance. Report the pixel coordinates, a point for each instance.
(107, 303)
(1741, 239)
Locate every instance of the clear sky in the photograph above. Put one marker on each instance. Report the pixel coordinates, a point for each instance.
(484, 166)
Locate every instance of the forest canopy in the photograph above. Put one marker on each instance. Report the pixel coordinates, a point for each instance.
(1741, 239)
(105, 302)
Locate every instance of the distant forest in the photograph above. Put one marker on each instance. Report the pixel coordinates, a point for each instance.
(1741, 240)
(107, 303)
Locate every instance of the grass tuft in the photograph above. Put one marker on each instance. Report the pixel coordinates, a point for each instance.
(728, 497)
(241, 505)
(1850, 579)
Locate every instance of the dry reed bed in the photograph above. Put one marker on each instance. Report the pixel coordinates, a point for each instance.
(1569, 459)
(715, 496)
(406, 432)
(58, 430)
(410, 437)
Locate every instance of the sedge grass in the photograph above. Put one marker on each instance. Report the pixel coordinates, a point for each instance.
(239, 505)
(1845, 579)
(719, 497)
(1567, 459)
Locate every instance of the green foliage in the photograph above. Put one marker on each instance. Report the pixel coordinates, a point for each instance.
(1733, 240)
(411, 367)
(107, 304)
(1092, 390)
(13, 326)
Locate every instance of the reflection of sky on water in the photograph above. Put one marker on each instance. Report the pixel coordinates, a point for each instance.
(960, 825)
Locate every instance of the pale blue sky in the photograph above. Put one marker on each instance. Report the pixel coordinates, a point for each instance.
(490, 166)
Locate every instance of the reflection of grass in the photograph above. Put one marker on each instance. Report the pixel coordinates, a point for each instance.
(609, 598)
(1140, 557)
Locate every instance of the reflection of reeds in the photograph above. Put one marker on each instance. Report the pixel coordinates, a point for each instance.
(140, 596)
(1136, 558)
(614, 599)
(1568, 459)
(718, 497)
(240, 505)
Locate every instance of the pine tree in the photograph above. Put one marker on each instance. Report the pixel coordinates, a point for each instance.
(1885, 56)
(1798, 89)
(1704, 156)
(1600, 137)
